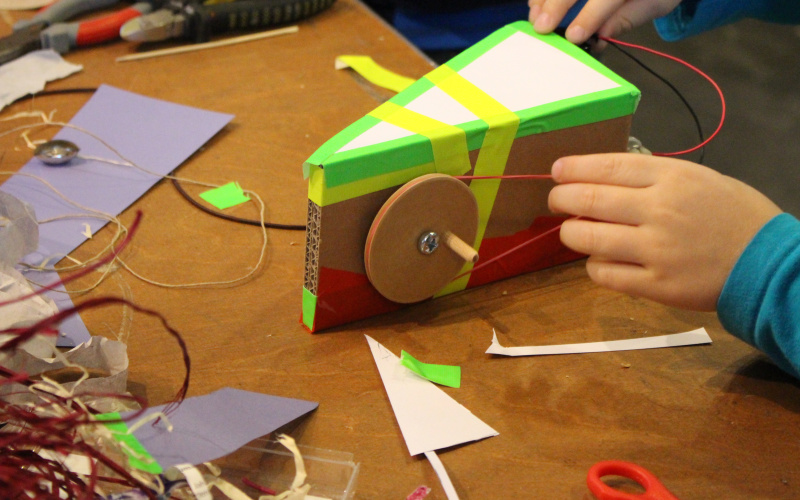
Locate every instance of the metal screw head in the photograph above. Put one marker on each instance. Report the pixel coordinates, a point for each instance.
(428, 243)
(56, 152)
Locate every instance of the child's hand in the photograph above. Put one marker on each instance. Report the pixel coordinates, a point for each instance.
(664, 229)
(608, 18)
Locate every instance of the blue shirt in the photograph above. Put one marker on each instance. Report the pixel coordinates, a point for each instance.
(695, 16)
(760, 302)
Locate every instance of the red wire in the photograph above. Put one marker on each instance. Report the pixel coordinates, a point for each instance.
(523, 176)
(546, 176)
(509, 251)
(696, 70)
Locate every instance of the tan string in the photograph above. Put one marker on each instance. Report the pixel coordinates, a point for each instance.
(121, 229)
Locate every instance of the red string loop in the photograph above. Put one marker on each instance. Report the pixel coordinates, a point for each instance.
(696, 70)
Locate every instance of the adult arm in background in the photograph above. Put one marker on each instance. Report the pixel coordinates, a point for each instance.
(674, 19)
(687, 236)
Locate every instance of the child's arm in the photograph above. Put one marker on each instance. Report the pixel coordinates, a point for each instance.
(760, 302)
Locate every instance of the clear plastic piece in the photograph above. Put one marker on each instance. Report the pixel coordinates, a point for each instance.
(19, 231)
(332, 474)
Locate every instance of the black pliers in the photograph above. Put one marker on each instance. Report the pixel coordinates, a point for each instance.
(196, 21)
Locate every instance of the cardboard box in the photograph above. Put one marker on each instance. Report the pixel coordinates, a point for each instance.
(511, 104)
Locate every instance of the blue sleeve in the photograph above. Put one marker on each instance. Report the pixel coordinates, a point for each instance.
(692, 17)
(760, 302)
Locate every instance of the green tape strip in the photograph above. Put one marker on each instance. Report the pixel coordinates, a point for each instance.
(441, 374)
(309, 308)
(502, 130)
(448, 142)
(225, 196)
(137, 454)
(324, 196)
(461, 61)
(337, 142)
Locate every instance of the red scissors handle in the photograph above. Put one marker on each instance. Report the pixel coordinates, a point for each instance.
(653, 489)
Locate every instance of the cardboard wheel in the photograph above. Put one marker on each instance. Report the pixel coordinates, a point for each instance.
(433, 204)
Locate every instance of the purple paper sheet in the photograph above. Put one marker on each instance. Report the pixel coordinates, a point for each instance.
(154, 134)
(208, 427)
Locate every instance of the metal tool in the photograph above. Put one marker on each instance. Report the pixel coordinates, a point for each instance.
(48, 29)
(198, 22)
(653, 489)
(56, 152)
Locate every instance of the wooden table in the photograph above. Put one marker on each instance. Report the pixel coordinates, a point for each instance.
(713, 421)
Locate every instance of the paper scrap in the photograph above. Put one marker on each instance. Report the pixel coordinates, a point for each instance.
(195, 480)
(29, 74)
(225, 196)
(428, 418)
(155, 134)
(374, 72)
(24, 313)
(694, 337)
(441, 374)
(208, 427)
(419, 493)
(441, 472)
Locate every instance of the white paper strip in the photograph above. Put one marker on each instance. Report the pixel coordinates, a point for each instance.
(29, 74)
(438, 467)
(695, 337)
(195, 480)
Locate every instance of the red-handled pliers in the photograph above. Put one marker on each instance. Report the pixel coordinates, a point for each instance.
(48, 29)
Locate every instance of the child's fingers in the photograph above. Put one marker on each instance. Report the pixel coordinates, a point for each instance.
(546, 15)
(620, 276)
(621, 169)
(589, 20)
(622, 205)
(611, 242)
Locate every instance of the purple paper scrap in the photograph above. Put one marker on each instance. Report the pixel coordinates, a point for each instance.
(208, 427)
(153, 134)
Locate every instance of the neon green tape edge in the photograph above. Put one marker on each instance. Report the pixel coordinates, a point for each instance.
(569, 48)
(309, 308)
(590, 108)
(335, 143)
(329, 149)
(449, 143)
(138, 456)
(324, 196)
(502, 129)
(460, 61)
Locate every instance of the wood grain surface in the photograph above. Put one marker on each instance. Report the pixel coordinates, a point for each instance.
(712, 422)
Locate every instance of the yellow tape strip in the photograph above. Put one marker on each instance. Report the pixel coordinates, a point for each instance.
(449, 143)
(502, 129)
(374, 72)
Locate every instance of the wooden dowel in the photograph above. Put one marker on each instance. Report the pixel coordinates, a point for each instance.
(208, 45)
(460, 247)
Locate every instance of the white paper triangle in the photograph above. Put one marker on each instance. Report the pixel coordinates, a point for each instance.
(429, 419)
